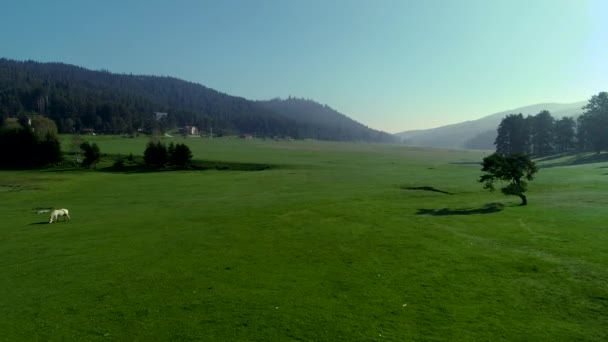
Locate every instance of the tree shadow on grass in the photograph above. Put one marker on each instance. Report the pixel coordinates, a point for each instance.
(466, 163)
(37, 223)
(425, 188)
(556, 156)
(197, 166)
(579, 159)
(489, 208)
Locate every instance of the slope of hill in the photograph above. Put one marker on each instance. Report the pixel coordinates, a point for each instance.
(77, 98)
(480, 133)
(324, 121)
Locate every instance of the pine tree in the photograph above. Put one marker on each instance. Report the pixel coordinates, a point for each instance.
(593, 124)
(541, 133)
(513, 135)
(564, 134)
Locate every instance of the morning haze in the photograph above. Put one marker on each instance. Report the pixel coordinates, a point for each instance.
(393, 65)
(303, 170)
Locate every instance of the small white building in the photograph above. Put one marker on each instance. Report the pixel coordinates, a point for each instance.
(188, 130)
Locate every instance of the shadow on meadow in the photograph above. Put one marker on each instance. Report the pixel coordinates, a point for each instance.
(577, 159)
(425, 188)
(38, 223)
(466, 163)
(489, 208)
(135, 167)
(197, 166)
(556, 156)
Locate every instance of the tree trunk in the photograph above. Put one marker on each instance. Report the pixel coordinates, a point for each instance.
(524, 200)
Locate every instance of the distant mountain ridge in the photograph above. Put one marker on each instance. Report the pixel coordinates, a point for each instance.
(77, 99)
(480, 133)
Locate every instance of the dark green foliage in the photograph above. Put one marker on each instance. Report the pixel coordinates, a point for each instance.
(156, 154)
(78, 99)
(564, 134)
(593, 124)
(42, 126)
(513, 135)
(583, 132)
(49, 150)
(21, 148)
(516, 169)
(180, 155)
(170, 150)
(91, 154)
(541, 133)
(17, 146)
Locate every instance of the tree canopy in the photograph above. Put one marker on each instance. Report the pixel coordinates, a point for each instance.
(515, 169)
(24, 147)
(541, 135)
(92, 154)
(594, 123)
(513, 135)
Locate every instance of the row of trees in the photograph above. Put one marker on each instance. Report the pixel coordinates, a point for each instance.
(158, 154)
(34, 143)
(542, 135)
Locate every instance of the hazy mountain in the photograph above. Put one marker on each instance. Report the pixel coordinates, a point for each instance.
(325, 121)
(77, 99)
(480, 133)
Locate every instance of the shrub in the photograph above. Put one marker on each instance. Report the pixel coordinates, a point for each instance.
(91, 154)
(156, 154)
(22, 148)
(181, 155)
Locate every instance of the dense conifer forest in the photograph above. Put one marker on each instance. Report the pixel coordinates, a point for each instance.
(78, 99)
(542, 135)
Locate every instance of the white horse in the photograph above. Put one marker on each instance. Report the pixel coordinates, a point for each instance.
(55, 214)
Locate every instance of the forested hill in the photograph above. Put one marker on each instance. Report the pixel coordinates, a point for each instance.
(323, 121)
(77, 98)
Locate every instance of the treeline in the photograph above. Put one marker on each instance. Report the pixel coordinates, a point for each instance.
(79, 100)
(542, 135)
(33, 143)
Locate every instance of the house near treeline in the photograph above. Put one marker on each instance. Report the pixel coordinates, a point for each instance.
(188, 130)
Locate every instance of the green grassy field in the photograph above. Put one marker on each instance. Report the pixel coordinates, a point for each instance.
(327, 245)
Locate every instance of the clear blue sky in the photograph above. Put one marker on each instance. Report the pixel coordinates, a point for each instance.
(392, 65)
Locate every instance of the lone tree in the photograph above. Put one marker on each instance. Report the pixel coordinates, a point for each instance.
(515, 169)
